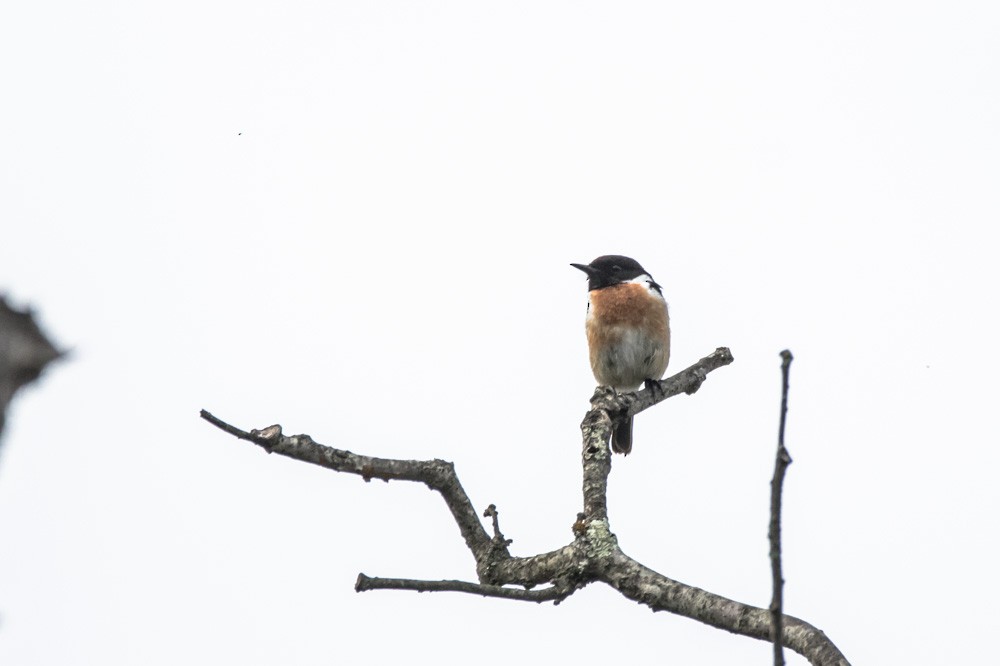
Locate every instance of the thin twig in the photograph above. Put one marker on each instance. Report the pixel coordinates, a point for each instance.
(254, 436)
(498, 537)
(554, 593)
(781, 461)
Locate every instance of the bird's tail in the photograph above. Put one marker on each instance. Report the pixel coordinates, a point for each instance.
(621, 438)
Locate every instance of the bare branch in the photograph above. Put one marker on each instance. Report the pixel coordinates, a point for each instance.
(642, 584)
(554, 593)
(686, 381)
(781, 462)
(593, 555)
(538, 569)
(436, 474)
(608, 407)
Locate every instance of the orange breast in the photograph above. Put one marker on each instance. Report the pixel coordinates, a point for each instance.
(626, 304)
(628, 332)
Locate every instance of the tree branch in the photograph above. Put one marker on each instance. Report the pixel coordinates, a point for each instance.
(593, 555)
(640, 583)
(781, 462)
(686, 381)
(608, 408)
(554, 593)
(435, 474)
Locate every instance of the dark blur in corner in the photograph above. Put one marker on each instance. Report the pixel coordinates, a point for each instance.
(24, 353)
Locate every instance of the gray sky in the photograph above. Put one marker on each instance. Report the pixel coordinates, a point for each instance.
(356, 219)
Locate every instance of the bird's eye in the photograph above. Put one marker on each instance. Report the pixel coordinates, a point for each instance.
(616, 268)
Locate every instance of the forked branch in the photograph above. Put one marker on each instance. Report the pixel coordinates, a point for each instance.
(593, 555)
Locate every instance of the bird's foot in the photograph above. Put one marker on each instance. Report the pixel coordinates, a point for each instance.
(653, 386)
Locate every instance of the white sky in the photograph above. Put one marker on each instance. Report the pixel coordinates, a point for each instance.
(356, 219)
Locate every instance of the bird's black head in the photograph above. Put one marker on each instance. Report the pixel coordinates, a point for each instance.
(612, 269)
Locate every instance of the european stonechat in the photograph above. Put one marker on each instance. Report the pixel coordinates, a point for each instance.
(628, 330)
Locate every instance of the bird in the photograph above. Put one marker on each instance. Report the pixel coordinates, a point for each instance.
(628, 330)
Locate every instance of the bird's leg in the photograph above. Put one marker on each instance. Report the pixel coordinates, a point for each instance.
(653, 385)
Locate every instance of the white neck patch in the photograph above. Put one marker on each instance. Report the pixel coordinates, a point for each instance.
(647, 281)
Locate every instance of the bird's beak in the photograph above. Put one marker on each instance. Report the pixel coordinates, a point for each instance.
(586, 268)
